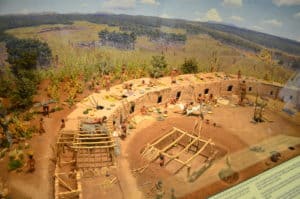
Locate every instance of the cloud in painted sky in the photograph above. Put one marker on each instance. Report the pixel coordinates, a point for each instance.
(24, 11)
(151, 2)
(257, 28)
(244, 13)
(84, 5)
(297, 15)
(286, 2)
(237, 3)
(119, 4)
(165, 15)
(212, 15)
(273, 22)
(237, 18)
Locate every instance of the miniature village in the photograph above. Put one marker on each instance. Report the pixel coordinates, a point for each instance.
(172, 137)
(135, 107)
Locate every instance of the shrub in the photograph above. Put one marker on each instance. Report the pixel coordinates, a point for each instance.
(5, 88)
(189, 66)
(159, 66)
(28, 116)
(15, 159)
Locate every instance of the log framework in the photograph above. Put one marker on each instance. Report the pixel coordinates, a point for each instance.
(67, 184)
(92, 147)
(193, 144)
(89, 149)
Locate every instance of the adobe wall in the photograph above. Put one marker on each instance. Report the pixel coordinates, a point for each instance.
(187, 88)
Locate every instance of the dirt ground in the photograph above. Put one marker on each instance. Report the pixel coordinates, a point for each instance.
(233, 136)
(24, 185)
(234, 133)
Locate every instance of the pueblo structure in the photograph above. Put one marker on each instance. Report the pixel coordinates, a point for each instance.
(153, 138)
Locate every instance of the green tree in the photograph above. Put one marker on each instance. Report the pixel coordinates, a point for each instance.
(189, 66)
(27, 54)
(23, 93)
(159, 66)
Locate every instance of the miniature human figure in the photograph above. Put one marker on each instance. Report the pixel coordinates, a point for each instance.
(125, 86)
(63, 125)
(185, 107)
(97, 88)
(211, 97)
(104, 120)
(161, 160)
(173, 100)
(130, 86)
(56, 60)
(151, 83)
(31, 163)
(144, 110)
(189, 108)
(123, 72)
(239, 74)
(107, 82)
(166, 105)
(159, 190)
(124, 129)
(173, 193)
(243, 89)
(42, 129)
(93, 83)
(143, 82)
(204, 99)
(173, 75)
(198, 124)
(46, 109)
(199, 98)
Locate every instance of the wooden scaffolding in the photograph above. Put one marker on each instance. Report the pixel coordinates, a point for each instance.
(162, 145)
(67, 185)
(91, 150)
(86, 149)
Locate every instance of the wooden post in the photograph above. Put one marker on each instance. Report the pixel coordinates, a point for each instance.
(188, 171)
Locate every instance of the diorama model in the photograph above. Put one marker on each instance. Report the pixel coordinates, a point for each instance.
(121, 106)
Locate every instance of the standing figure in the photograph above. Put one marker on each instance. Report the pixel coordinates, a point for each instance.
(243, 89)
(107, 81)
(31, 163)
(46, 109)
(239, 75)
(173, 76)
(124, 130)
(42, 129)
(161, 160)
(159, 190)
(123, 73)
(173, 193)
(144, 110)
(63, 125)
(198, 124)
(199, 99)
(211, 97)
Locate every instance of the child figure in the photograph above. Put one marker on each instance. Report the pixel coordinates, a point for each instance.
(41, 129)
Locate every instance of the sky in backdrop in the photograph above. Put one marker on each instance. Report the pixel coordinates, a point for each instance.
(277, 17)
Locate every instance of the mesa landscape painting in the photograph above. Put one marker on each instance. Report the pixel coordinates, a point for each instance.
(137, 99)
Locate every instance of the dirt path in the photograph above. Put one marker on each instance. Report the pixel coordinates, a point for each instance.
(128, 183)
(40, 183)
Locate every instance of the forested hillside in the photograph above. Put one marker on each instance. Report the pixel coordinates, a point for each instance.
(237, 37)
